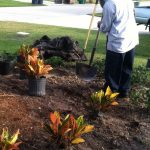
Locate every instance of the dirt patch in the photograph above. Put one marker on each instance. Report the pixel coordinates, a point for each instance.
(124, 127)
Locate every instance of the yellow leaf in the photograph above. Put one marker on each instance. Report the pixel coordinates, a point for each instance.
(14, 137)
(5, 134)
(88, 128)
(57, 114)
(108, 91)
(39, 66)
(46, 69)
(114, 103)
(100, 94)
(77, 141)
(31, 68)
(113, 95)
(40, 62)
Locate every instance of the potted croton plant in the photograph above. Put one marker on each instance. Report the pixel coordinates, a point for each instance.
(35, 69)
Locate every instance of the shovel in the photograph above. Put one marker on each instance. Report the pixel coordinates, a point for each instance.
(86, 71)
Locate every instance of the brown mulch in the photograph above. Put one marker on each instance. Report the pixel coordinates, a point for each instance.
(124, 127)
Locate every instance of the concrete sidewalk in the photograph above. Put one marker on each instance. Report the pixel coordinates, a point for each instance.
(65, 15)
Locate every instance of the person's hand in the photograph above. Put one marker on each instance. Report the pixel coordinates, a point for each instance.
(98, 24)
(102, 2)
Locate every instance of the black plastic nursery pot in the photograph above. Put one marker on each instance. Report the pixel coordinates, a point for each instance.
(148, 63)
(6, 67)
(68, 1)
(58, 1)
(22, 74)
(40, 2)
(34, 1)
(82, 1)
(37, 87)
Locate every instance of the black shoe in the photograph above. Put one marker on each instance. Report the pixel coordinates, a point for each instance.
(123, 95)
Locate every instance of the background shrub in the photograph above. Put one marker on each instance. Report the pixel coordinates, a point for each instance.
(55, 61)
(100, 65)
(140, 96)
(140, 75)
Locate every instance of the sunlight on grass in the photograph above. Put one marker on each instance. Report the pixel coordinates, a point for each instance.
(12, 3)
(10, 41)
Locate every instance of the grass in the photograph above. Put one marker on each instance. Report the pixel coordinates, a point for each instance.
(10, 41)
(12, 3)
(143, 0)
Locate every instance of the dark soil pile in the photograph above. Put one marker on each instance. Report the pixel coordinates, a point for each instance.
(124, 127)
(64, 47)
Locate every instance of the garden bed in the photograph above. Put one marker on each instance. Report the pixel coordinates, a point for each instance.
(124, 127)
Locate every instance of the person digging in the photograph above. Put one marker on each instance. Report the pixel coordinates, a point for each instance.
(118, 22)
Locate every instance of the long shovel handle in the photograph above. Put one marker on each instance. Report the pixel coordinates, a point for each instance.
(94, 47)
(89, 30)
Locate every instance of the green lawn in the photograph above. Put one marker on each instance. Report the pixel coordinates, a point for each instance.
(12, 3)
(10, 41)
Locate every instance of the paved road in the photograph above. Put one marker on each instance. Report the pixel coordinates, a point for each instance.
(67, 15)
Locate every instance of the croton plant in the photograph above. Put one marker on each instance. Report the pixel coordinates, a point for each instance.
(8, 142)
(67, 131)
(30, 61)
(103, 100)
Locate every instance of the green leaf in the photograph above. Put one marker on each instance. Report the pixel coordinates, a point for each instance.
(48, 129)
(80, 121)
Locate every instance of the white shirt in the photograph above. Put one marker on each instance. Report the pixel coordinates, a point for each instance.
(119, 23)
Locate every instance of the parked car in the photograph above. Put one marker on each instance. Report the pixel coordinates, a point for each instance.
(142, 14)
